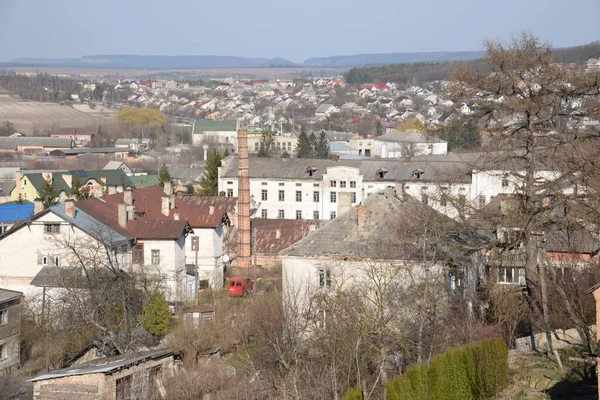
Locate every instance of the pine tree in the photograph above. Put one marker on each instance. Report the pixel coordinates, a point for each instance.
(210, 179)
(163, 175)
(322, 148)
(76, 189)
(48, 194)
(156, 315)
(266, 143)
(312, 139)
(303, 148)
(378, 128)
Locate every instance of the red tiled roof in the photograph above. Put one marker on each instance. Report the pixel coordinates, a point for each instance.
(149, 222)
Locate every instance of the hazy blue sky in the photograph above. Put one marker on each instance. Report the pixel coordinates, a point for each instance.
(294, 30)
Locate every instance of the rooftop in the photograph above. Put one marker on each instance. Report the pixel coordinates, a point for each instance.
(204, 125)
(10, 213)
(8, 295)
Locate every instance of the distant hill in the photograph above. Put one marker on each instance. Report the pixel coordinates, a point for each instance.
(392, 58)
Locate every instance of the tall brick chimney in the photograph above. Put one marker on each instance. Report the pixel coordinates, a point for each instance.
(243, 249)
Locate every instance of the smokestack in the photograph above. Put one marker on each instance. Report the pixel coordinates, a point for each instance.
(399, 189)
(205, 147)
(122, 215)
(38, 206)
(344, 202)
(362, 214)
(70, 208)
(18, 177)
(128, 196)
(168, 188)
(243, 249)
(165, 206)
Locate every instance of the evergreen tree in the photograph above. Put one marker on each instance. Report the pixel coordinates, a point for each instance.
(48, 193)
(312, 140)
(322, 149)
(76, 189)
(378, 128)
(303, 148)
(266, 143)
(461, 134)
(156, 315)
(163, 175)
(210, 179)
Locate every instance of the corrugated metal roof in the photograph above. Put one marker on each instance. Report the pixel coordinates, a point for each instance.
(107, 365)
(7, 295)
(15, 212)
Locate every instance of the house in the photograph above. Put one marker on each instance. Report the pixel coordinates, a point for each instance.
(80, 137)
(114, 165)
(10, 328)
(224, 132)
(379, 234)
(400, 144)
(324, 110)
(128, 376)
(34, 145)
(12, 213)
(281, 143)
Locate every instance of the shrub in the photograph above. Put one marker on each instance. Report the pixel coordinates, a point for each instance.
(353, 394)
(156, 317)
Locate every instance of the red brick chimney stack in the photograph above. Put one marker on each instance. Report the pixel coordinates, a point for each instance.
(243, 249)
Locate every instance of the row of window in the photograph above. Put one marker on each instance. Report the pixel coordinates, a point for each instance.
(342, 184)
(281, 214)
(264, 196)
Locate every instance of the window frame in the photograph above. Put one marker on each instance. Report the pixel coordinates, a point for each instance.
(298, 196)
(137, 254)
(3, 316)
(298, 214)
(263, 213)
(264, 195)
(281, 195)
(155, 256)
(324, 278)
(333, 197)
(281, 214)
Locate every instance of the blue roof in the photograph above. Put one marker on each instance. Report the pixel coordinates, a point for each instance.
(10, 213)
(339, 146)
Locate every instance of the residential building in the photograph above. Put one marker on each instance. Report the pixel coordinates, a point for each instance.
(223, 132)
(10, 328)
(401, 144)
(11, 213)
(324, 110)
(128, 376)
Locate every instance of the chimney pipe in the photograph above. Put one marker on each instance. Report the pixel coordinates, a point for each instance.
(205, 147)
(362, 214)
(70, 208)
(130, 212)
(18, 177)
(122, 215)
(400, 192)
(344, 202)
(277, 234)
(336, 157)
(176, 216)
(168, 188)
(172, 201)
(243, 248)
(38, 206)
(211, 210)
(165, 206)
(128, 196)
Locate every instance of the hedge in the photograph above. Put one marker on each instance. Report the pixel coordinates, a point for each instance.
(474, 372)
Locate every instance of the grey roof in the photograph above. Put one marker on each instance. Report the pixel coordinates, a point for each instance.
(11, 143)
(394, 230)
(408, 137)
(8, 295)
(186, 173)
(95, 150)
(113, 165)
(436, 168)
(107, 365)
(323, 108)
(341, 146)
(89, 225)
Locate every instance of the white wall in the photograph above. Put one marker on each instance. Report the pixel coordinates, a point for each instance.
(387, 149)
(210, 251)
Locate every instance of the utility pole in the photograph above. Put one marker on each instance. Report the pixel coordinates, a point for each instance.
(195, 247)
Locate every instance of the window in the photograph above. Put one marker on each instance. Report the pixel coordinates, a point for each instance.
(57, 260)
(263, 195)
(510, 275)
(505, 181)
(52, 228)
(316, 197)
(230, 182)
(324, 278)
(155, 257)
(298, 195)
(137, 254)
(333, 197)
(342, 184)
(333, 183)
(263, 214)
(263, 183)
(281, 214)
(255, 146)
(281, 183)
(316, 215)
(424, 198)
(44, 260)
(352, 184)
(4, 316)
(332, 215)
(282, 195)
(3, 352)
(315, 185)
(299, 184)
(430, 147)
(353, 197)
(124, 388)
(298, 214)
(482, 200)
(229, 192)
(444, 200)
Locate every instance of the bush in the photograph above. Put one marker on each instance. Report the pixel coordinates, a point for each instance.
(353, 394)
(156, 317)
(477, 372)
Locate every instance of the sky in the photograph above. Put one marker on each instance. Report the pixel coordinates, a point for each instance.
(294, 30)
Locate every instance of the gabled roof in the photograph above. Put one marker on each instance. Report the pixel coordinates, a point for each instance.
(8, 295)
